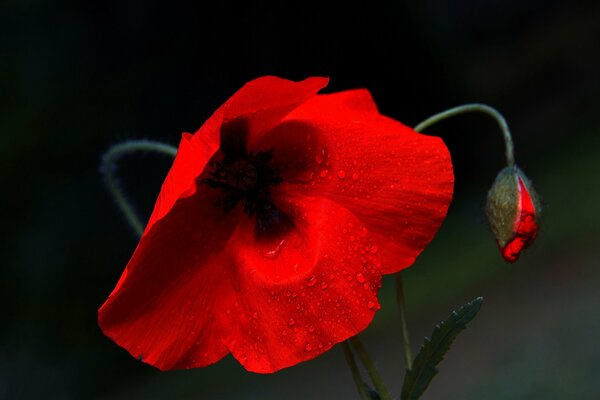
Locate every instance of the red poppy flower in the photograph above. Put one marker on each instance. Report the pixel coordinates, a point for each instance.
(272, 229)
(513, 211)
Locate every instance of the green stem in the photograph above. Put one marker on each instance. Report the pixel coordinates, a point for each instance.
(108, 168)
(360, 385)
(370, 368)
(475, 107)
(403, 320)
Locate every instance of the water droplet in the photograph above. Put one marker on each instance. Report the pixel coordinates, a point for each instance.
(305, 176)
(323, 285)
(291, 322)
(273, 254)
(373, 249)
(360, 278)
(323, 173)
(355, 176)
(341, 174)
(320, 156)
(255, 315)
(371, 305)
(308, 347)
(311, 329)
(311, 281)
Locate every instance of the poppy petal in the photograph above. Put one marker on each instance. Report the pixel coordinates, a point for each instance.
(162, 308)
(397, 182)
(525, 227)
(192, 157)
(298, 294)
(263, 102)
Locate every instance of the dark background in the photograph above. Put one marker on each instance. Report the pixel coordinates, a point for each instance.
(76, 77)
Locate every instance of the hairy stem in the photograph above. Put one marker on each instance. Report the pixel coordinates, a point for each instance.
(108, 168)
(360, 385)
(370, 368)
(402, 311)
(476, 107)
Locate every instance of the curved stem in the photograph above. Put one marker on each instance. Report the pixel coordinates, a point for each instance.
(108, 168)
(402, 311)
(475, 107)
(370, 368)
(360, 385)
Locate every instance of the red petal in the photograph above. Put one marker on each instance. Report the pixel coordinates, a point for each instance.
(262, 103)
(162, 309)
(525, 226)
(298, 294)
(192, 156)
(397, 182)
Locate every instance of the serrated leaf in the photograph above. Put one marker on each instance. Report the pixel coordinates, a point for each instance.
(433, 350)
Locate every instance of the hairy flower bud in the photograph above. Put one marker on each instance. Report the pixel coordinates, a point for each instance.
(513, 212)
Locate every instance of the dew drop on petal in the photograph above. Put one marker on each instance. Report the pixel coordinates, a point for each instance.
(305, 176)
(373, 249)
(255, 315)
(371, 305)
(355, 176)
(308, 347)
(273, 254)
(360, 278)
(320, 156)
(291, 322)
(323, 173)
(323, 285)
(341, 174)
(311, 281)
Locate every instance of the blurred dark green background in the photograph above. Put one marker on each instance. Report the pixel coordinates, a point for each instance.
(76, 77)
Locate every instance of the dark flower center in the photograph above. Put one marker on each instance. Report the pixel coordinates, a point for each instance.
(246, 177)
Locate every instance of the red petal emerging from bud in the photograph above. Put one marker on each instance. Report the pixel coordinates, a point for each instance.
(525, 227)
(513, 212)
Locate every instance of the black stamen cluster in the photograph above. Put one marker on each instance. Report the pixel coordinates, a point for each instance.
(246, 177)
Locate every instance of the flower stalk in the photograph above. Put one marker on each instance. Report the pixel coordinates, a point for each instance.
(403, 320)
(360, 385)
(372, 371)
(108, 168)
(475, 107)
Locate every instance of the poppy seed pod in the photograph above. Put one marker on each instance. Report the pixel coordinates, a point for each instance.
(513, 212)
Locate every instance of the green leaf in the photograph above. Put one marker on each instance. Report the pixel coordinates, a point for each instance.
(433, 350)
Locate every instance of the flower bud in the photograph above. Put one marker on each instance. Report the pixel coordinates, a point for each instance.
(513, 212)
